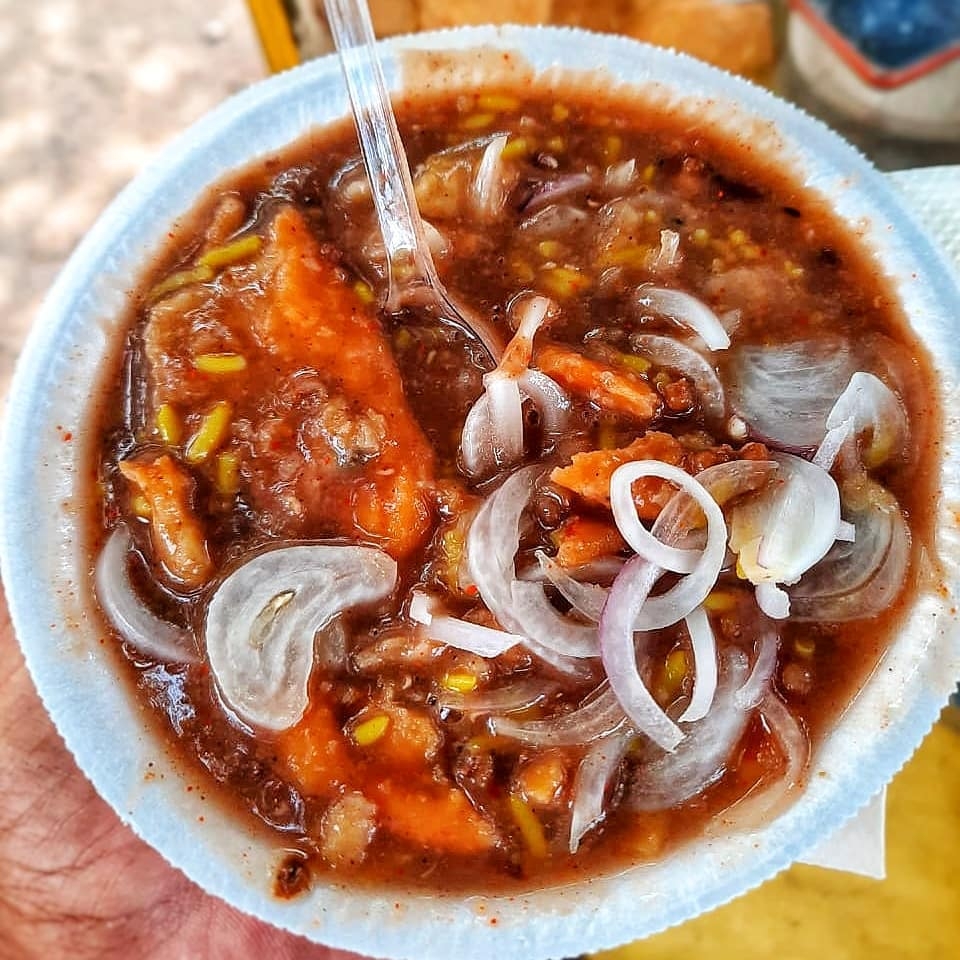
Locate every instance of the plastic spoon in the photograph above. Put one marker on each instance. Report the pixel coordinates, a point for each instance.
(413, 279)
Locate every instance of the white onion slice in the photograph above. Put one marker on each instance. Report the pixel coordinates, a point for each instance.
(634, 532)
(705, 666)
(491, 183)
(519, 695)
(599, 715)
(492, 544)
(785, 530)
(147, 633)
(773, 601)
(674, 523)
(549, 399)
(785, 393)
(550, 628)
(620, 176)
(261, 623)
(863, 578)
(492, 434)
(586, 598)
(669, 253)
(592, 781)
(759, 808)
(623, 607)
(758, 683)
(668, 780)
(472, 637)
(867, 404)
(667, 352)
(688, 311)
(506, 417)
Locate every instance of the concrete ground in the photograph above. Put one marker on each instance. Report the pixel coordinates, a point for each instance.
(89, 91)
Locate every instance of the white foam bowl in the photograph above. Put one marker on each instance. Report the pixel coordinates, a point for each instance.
(47, 578)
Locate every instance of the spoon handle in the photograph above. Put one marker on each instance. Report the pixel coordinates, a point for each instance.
(408, 256)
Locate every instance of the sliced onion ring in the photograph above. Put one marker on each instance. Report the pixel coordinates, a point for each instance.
(599, 715)
(261, 622)
(147, 633)
(592, 781)
(704, 647)
(688, 311)
(635, 533)
(667, 352)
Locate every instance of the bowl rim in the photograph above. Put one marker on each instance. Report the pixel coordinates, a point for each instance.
(599, 913)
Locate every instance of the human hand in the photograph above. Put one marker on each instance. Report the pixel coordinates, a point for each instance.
(74, 881)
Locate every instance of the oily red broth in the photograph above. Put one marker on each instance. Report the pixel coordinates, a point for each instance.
(229, 410)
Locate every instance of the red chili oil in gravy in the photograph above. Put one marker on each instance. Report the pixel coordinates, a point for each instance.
(221, 415)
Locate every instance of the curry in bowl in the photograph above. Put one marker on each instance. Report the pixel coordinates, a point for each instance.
(487, 623)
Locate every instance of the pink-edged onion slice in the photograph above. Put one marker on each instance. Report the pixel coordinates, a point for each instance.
(704, 664)
(586, 598)
(599, 715)
(759, 808)
(635, 533)
(472, 637)
(687, 311)
(492, 436)
(667, 352)
(592, 782)
(261, 622)
(147, 633)
(492, 544)
(620, 613)
(668, 780)
(548, 626)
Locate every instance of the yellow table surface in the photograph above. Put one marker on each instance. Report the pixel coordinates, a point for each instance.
(808, 913)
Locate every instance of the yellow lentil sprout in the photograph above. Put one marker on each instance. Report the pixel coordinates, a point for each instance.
(564, 282)
(230, 253)
(805, 647)
(530, 827)
(675, 668)
(550, 249)
(371, 730)
(700, 237)
(140, 506)
(560, 112)
(498, 102)
(220, 363)
(556, 144)
(228, 473)
(738, 237)
(649, 172)
(459, 682)
(182, 278)
(515, 147)
(720, 601)
(606, 436)
(363, 291)
(211, 433)
(477, 121)
(168, 425)
(612, 147)
(637, 364)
